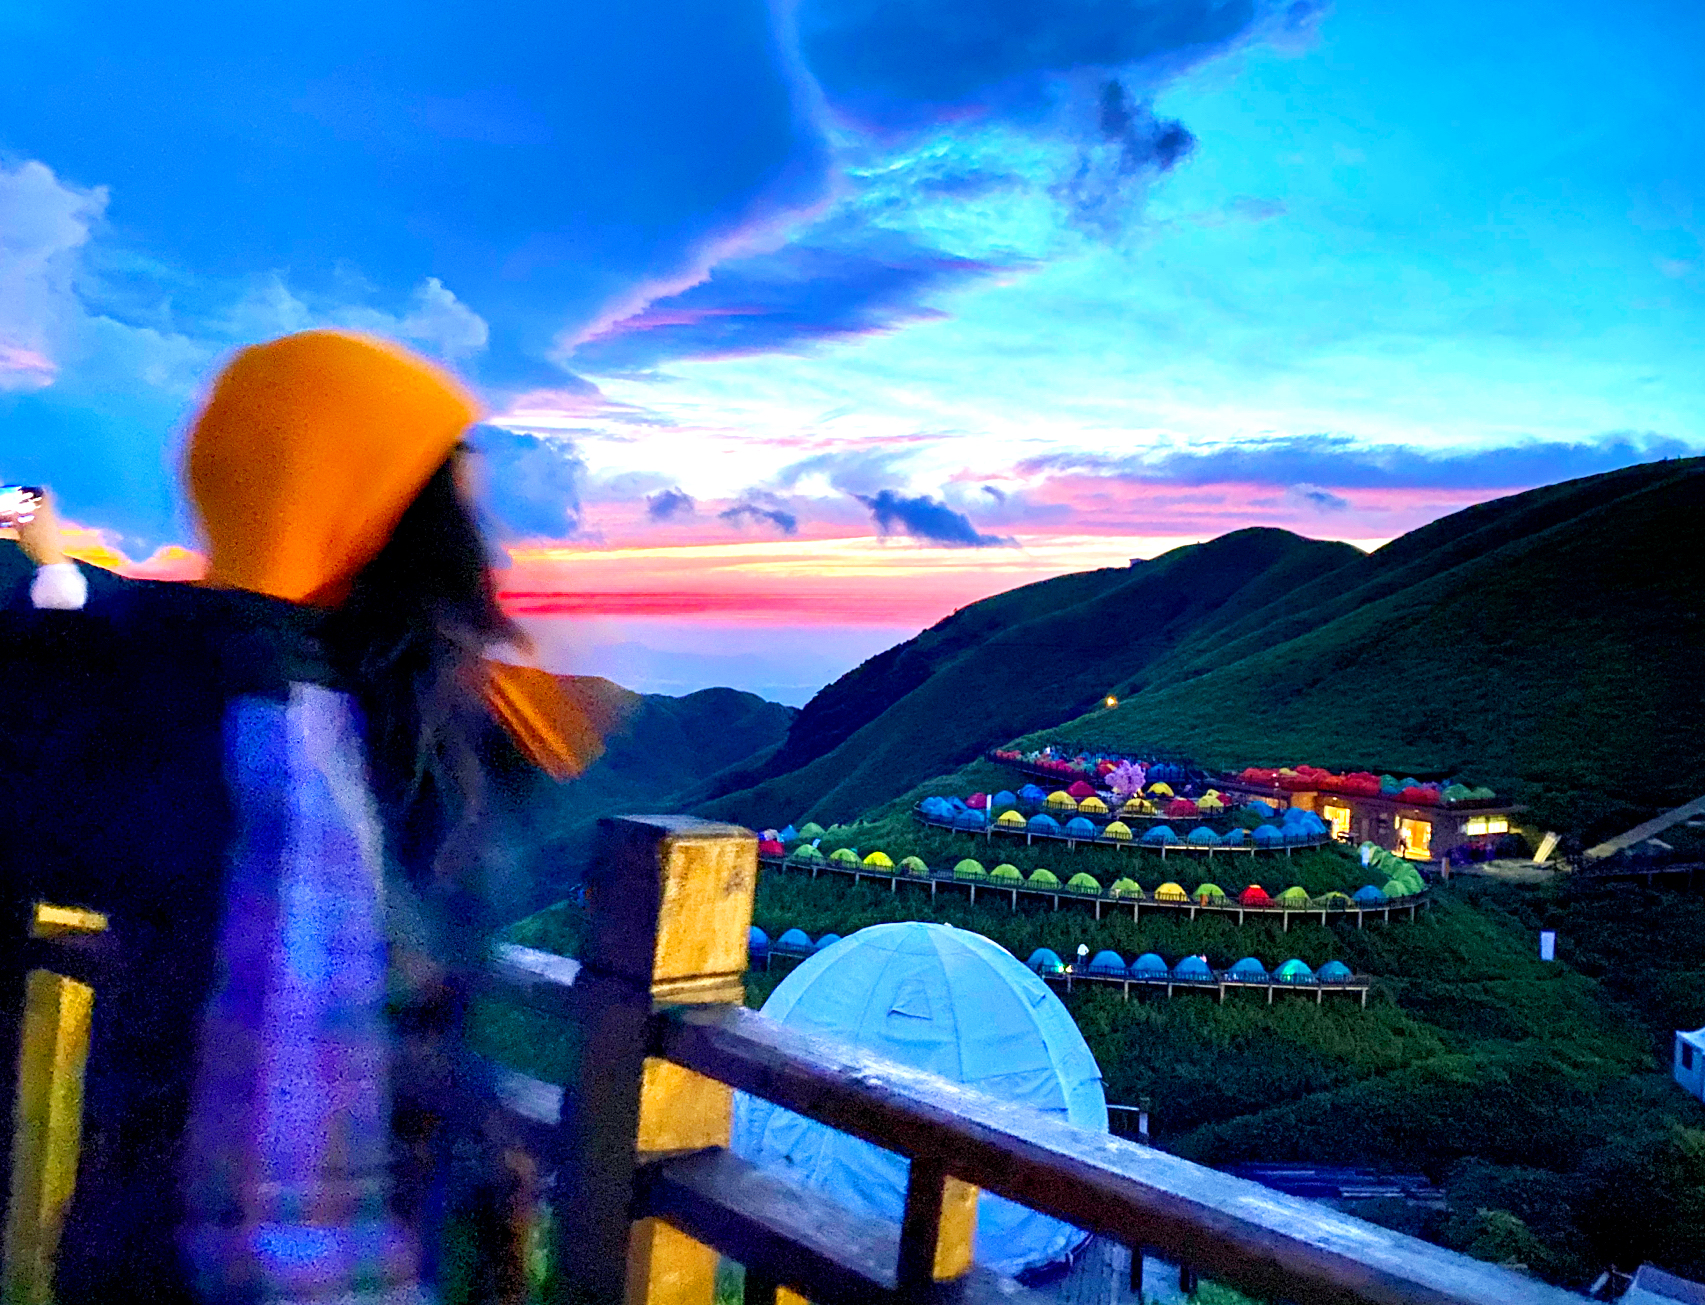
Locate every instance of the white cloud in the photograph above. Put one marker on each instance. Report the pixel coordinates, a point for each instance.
(44, 224)
(434, 321)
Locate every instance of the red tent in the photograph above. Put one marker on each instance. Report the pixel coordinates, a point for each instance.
(1081, 790)
(769, 847)
(977, 801)
(1423, 796)
(1181, 807)
(1254, 895)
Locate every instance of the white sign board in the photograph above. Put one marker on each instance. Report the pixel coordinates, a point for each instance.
(1547, 945)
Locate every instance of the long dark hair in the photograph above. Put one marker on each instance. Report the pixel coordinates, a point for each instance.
(408, 643)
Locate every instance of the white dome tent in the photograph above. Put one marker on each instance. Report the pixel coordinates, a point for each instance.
(955, 1004)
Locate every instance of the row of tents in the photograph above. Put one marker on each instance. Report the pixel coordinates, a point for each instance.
(1364, 783)
(1005, 875)
(1295, 828)
(1156, 799)
(1151, 967)
(1094, 765)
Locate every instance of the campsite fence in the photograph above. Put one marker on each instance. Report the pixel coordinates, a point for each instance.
(936, 880)
(990, 828)
(647, 1193)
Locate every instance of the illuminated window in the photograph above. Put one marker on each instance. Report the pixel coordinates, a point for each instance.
(1475, 827)
(1415, 838)
(1338, 819)
(1487, 825)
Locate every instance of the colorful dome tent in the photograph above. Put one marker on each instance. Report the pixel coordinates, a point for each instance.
(793, 940)
(1234, 838)
(1210, 804)
(1081, 790)
(843, 856)
(1084, 883)
(1005, 798)
(1257, 807)
(937, 809)
(1249, 970)
(757, 946)
(1294, 971)
(1193, 969)
(811, 829)
(1254, 895)
(1092, 806)
(978, 801)
(879, 861)
(1032, 793)
(1107, 963)
(969, 820)
(1209, 895)
(1395, 888)
(1160, 790)
(1061, 801)
(826, 941)
(1202, 836)
(1180, 807)
(1040, 878)
(1129, 889)
(1368, 896)
(1042, 823)
(914, 865)
(1010, 820)
(1149, 966)
(1294, 898)
(1137, 806)
(1118, 831)
(1171, 892)
(771, 847)
(788, 834)
(1007, 874)
(1045, 961)
(903, 991)
(1335, 901)
(1268, 836)
(806, 852)
(1333, 972)
(1158, 836)
(970, 868)
(1078, 827)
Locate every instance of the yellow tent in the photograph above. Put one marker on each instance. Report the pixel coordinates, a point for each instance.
(1160, 790)
(1209, 802)
(879, 861)
(1137, 806)
(1060, 800)
(1119, 831)
(1092, 806)
(1170, 892)
(1009, 820)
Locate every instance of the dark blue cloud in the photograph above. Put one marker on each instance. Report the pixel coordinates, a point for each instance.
(759, 514)
(787, 300)
(926, 518)
(532, 484)
(539, 159)
(667, 504)
(1340, 462)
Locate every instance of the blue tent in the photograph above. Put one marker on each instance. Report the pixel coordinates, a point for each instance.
(788, 834)
(1369, 896)
(1235, 838)
(1202, 836)
(1268, 836)
(827, 940)
(757, 945)
(1108, 963)
(1030, 793)
(1333, 972)
(1249, 968)
(1043, 823)
(1297, 833)
(1159, 836)
(969, 819)
(1148, 966)
(1079, 827)
(1263, 809)
(1192, 969)
(936, 808)
(1294, 971)
(950, 1002)
(1045, 961)
(1005, 798)
(794, 940)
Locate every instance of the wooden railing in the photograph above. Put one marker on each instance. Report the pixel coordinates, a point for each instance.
(647, 1195)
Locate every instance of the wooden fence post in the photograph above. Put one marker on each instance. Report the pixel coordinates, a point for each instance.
(47, 1125)
(669, 903)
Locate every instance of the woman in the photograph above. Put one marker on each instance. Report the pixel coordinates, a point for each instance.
(339, 642)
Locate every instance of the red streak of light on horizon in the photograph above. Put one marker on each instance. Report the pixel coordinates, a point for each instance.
(799, 606)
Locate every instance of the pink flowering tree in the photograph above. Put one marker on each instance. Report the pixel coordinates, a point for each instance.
(1127, 779)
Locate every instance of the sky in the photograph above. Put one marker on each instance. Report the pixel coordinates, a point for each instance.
(801, 325)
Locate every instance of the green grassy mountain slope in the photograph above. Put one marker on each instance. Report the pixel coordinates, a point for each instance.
(1018, 661)
(1547, 643)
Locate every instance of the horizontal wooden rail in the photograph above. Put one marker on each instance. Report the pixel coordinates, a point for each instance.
(1235, 1231)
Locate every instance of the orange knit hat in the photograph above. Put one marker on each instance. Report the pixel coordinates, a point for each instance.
(308, 452)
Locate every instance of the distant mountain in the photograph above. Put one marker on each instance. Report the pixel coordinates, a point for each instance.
(659, 754)
(1551, 644)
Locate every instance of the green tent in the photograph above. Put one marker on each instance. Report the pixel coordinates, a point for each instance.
(1335, 901)
(914, 865)
(806, 853)
(1044, 879)
(1294, 898)
(878, 861)
(1209, 893)
(970, 868)
(1084, 883)
(1007, 873)
(811, 829)
(844, 856)
(1126, 888)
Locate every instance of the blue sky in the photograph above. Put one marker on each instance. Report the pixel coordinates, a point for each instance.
(850, 312)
